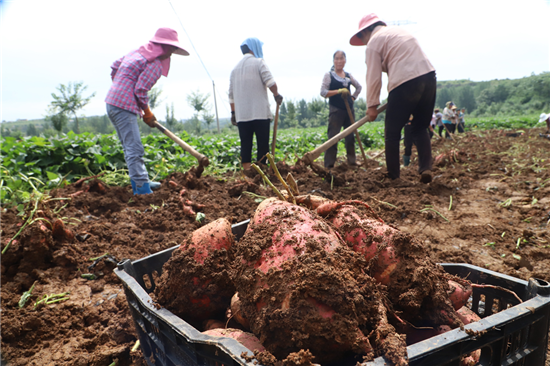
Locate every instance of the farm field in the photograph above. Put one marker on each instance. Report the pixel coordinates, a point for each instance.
(488, 205)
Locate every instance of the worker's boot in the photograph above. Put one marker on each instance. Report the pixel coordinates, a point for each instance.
(426, 176)
(144, 189)
(406, 160)
(154, 185)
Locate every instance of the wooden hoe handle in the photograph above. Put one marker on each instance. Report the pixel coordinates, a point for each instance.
(310, 157)
(203, 160)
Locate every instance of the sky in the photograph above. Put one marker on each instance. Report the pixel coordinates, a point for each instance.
(45, 43)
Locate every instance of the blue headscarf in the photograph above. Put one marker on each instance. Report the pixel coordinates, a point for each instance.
(255, 45)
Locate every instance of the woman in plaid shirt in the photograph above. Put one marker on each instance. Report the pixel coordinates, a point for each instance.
(133, 76)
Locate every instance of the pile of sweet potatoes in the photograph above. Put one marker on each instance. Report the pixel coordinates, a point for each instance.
(328, 277)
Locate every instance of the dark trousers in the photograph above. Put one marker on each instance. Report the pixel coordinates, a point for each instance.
(450, 128)
(441, 128)
(416, 97)
(407, 141)
(247, 130)
(337, 119)
(460, 127)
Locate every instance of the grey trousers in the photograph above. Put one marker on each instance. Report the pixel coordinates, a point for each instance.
(337, 119)
(127, 129)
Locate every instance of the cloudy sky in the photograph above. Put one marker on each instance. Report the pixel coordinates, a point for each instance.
(46, 43)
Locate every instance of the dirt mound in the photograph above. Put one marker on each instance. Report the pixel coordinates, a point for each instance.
(476, 210)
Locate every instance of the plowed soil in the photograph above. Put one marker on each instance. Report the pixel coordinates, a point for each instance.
(488, 205)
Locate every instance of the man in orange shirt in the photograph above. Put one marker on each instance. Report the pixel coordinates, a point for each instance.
(411, 87)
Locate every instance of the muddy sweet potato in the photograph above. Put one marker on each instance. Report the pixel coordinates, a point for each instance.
(195, 282)
(59, 232)
(417, 286)
(248, 340)
(237, 313)
(301, 288)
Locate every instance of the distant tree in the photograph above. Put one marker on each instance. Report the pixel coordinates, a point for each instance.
(282, 113)
(58, 121)
(170, 119)
(302, 112)
(70, 100)
(198, 101)
(290, 120)
(154, 97)
(208, 118)
(443, 96)
(466, 98)
(31, 130)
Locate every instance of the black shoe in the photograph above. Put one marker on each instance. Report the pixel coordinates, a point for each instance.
(426, 176)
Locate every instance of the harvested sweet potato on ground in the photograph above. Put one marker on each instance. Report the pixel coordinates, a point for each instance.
(248, 340)
(59, 232)
(195, 281)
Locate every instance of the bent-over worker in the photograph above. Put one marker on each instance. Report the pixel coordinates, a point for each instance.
(411, 87)
(133, 76)
(545, 118)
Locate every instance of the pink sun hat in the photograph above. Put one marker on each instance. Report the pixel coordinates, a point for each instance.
(170, 37)
(365, 22)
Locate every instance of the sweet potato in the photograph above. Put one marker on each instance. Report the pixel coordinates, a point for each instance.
(302, 288)
(417, 286)
(459, 293)
(213, 324)
(59, 231)
(195, 282)
(237, 313)
(468, 316)
(248, 340)
(173, 184)
(205, 240)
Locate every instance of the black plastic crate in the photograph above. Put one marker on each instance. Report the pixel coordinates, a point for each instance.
(509, 333)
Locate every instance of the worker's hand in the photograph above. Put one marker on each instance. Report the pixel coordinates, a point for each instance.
(278, 99)
(233, 118)
(372, 113)
(344, 92)
(148, 117)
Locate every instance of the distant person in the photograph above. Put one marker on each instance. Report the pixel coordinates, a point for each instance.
(411, 87)
(460, 120)
(336, 86)
(439, 121)
(250, 110)
(449, 119)
(133, 76)
(545, 118)
(431, 128)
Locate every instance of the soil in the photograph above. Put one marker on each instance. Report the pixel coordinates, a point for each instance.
(488, 205)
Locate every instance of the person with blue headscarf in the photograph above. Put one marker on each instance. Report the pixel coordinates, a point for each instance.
(250, 110)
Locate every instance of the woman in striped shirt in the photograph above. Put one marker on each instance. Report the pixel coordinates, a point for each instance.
(133, 76)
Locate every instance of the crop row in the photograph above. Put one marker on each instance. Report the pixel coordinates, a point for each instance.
(46, 163)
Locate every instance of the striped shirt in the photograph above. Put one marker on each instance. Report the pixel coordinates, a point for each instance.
(133, 76)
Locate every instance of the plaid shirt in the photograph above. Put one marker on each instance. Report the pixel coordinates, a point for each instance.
(133, 76)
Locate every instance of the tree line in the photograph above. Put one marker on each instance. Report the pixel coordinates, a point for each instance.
(508, 97)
